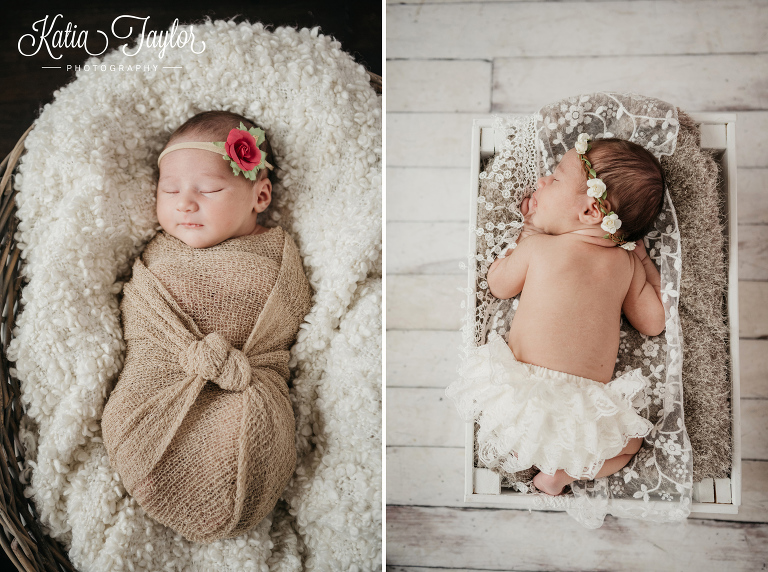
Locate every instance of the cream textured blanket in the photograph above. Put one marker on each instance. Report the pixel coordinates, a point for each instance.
(200, 426)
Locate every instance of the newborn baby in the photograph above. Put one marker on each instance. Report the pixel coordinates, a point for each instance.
(546, 398)
(200, 425)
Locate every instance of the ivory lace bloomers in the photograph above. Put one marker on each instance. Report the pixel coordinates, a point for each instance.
(200, 426)
(529, 415)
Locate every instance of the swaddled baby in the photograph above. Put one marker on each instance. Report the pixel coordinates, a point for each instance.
(200, 425)
(546, 398)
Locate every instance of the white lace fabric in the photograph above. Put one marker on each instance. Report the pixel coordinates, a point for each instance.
(658, 478)
(530, 415)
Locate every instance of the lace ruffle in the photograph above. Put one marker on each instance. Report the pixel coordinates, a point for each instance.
(532, 416)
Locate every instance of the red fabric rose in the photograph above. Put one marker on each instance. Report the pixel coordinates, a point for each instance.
(242, 149)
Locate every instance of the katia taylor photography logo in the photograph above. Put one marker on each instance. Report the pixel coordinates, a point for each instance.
(51, 35)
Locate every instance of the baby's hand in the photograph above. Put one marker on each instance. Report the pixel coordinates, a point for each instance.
(529, 228)
(524, 205)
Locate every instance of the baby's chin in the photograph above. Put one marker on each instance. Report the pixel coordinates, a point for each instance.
(195, 237)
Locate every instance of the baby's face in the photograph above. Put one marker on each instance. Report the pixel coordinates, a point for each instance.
(202, 203)
(558, 196)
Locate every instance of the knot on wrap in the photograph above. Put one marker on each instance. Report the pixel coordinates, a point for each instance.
(213, 359)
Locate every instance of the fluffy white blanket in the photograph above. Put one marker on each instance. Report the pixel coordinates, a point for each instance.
(86, 209)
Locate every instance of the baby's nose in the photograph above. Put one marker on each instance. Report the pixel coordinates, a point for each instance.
(186, 205)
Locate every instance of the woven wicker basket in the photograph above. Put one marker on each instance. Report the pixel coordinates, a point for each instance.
(24, 542)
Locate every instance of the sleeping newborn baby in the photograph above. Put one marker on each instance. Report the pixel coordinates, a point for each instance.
(200, 426)
(546, 398)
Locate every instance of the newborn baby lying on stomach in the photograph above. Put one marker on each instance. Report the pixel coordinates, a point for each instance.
(546, 398)
(200, 426)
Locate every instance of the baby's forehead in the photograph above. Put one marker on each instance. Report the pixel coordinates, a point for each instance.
(569, 165)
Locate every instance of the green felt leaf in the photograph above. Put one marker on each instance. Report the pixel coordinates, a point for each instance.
(607, 236)
(257, 133)
(592, 172)
(605, 194)
(219, 144)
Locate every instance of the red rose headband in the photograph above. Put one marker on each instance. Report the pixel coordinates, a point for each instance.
(241, 148)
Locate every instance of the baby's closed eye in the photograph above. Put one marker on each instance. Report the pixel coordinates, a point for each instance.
(205, 192)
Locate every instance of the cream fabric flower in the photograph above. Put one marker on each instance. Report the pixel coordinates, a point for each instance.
(581, 143)
(628, 246)
(596, 188)
(611, 223)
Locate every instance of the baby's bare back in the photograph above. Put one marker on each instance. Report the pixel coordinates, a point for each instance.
(570, 308)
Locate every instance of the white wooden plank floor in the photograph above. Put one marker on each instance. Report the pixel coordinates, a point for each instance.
(451, 61)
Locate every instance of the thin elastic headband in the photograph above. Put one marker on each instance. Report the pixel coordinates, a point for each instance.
(205, 146)
(192, 145)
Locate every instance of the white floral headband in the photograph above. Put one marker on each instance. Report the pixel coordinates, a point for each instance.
(596, 189)
(241, 147)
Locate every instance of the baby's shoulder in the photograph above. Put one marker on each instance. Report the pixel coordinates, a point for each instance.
(615, 262)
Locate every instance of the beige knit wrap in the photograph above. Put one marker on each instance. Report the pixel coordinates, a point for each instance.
(200, 426)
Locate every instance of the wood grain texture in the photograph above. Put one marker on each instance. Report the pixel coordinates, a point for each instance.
(752, 195)
(430, 569)
(425, 302)
(751, 142)
(487, 539)
(422, 358)
(551, 29)
(427, 247)
(422, 417)
(521, 84)
(462, 85)
(753, 368)
(754, 429)
(443, 139)
(429, 139)
(434, 476)
(428, 194)
(753, 252)
(753, 309)
(425, 417)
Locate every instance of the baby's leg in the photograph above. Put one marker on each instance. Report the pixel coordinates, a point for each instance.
(554, 484)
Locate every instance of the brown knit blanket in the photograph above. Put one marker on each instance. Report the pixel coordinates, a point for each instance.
(200, 426)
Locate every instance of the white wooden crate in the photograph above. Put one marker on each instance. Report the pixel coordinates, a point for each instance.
(721, 496)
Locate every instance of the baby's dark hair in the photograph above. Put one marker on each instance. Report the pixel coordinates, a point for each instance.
(216, 125)
(634, 183)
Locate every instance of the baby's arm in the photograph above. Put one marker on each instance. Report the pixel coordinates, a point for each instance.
(506, 276)
(642, 304)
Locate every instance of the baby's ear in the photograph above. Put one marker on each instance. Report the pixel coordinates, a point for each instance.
(591, 213)
(263, 190)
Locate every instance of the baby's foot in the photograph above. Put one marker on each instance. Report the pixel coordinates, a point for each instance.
(552, 485)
